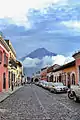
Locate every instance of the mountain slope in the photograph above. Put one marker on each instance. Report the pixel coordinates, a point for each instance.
(39, 53)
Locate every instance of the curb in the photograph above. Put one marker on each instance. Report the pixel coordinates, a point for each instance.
(10, 95)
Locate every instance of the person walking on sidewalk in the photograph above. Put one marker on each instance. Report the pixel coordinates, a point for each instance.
(12, 85)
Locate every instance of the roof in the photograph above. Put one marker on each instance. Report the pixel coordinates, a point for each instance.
(43, 68)
(19, 63)
(4, 43)
(10, 46)
(70, 64)
(76, 53)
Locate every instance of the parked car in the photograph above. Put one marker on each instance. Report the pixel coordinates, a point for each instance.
(50, 85)
(28, 82)
(43, 83)
(36, 83)
(46, 85)
(74, 92)
(58, 87)
(40, 83)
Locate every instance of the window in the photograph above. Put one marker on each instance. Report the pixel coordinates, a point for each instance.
(0, 56)
(5, 59)
(10, 55)
(17, 71)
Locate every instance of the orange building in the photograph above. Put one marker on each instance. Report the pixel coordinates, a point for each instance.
(66, 73)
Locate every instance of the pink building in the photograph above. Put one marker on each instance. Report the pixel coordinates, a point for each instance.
(4, 55)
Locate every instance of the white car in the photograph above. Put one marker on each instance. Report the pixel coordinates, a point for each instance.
(44, 83)
(50, 85)
(58, 87)
(74, 92)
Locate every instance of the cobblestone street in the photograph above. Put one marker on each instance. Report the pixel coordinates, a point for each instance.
(34, 103)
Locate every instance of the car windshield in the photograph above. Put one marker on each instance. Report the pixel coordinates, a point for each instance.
(58, 84)
(50, 83)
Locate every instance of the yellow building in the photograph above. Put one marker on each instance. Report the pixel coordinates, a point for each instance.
(12, 64)
(19, 72)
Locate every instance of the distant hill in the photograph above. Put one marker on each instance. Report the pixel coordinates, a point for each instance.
(39, 53)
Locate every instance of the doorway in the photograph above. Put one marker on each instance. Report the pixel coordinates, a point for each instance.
(79, 73)
(73, 79)
(4, 81)
(9, 79)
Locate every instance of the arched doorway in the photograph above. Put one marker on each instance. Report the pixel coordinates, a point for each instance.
(65, 81)
(4, 81)
(60, 78)
(51, 78)
(73, 79)
(31, 79)
(55, 79)
(9, 79)
(68, 80)
(36, 80)
(14, 78)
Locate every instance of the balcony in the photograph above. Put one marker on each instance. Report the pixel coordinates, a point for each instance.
(12, 63)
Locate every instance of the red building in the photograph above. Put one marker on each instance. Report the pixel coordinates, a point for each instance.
(43, 74)
(4, 55)
(77, 64)
(50, 69)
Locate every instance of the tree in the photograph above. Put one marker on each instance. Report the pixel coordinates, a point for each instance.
(2, 35)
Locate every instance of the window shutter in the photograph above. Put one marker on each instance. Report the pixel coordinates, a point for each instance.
(0, 56)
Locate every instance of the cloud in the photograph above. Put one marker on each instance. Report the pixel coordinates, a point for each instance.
(46, 61)
(29, 62)
(72, 24)
(44, 23)
(17, 10)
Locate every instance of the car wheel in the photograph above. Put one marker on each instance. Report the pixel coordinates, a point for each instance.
(76, 98)
(70, 96)
(50, 90)
(55, 91)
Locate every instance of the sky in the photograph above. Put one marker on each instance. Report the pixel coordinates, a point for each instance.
(52, 24)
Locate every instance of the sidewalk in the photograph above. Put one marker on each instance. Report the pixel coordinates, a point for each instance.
(5, 94)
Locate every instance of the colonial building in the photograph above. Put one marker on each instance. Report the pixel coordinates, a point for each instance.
(43, 73)
(36, 77)
(68, 73)
(65, 73)
(77, 65)
(4, 57)
(50, 76)
(19, 72)
(12, 64)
